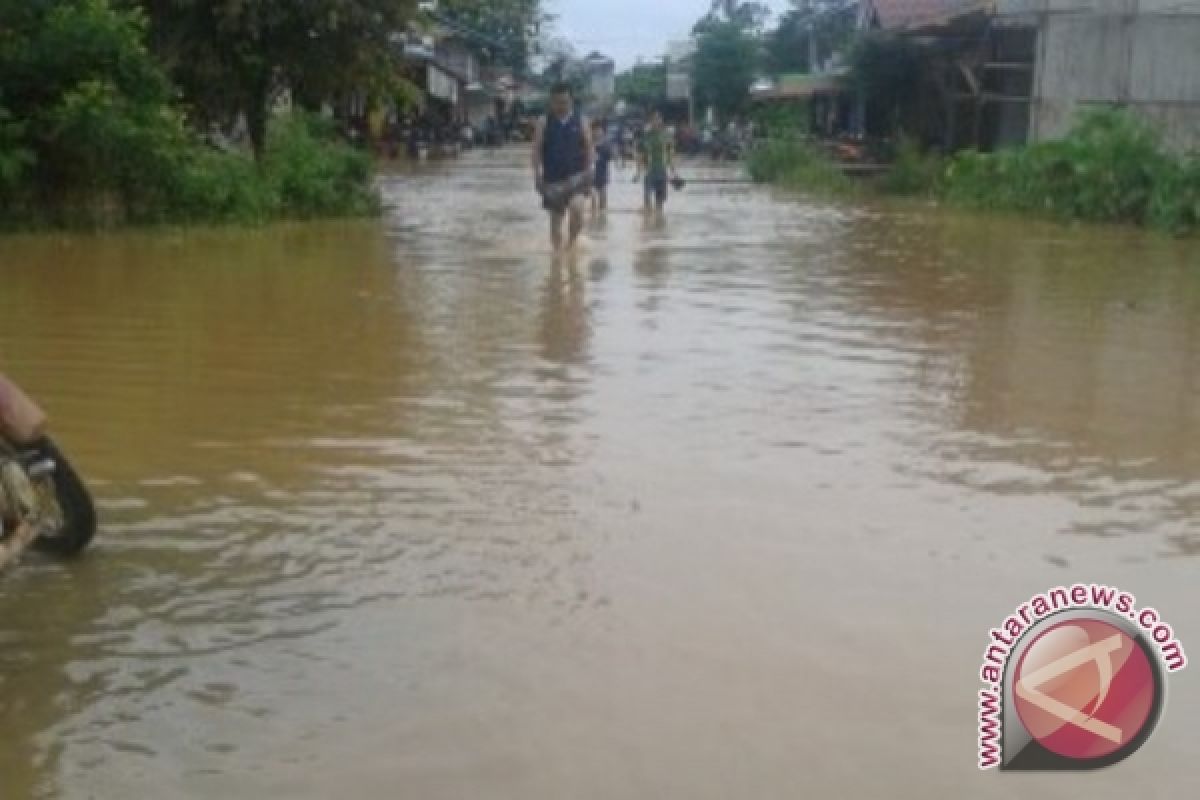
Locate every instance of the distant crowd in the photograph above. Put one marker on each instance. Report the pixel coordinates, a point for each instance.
(426, 135)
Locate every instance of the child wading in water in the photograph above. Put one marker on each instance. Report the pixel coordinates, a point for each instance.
(656, 158)
(604, 156)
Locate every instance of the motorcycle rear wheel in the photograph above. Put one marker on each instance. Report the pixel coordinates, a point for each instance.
(77, 511)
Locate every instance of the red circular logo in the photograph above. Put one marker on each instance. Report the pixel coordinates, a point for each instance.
(1084, 689)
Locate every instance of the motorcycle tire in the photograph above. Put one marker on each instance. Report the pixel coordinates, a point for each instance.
(78, 509)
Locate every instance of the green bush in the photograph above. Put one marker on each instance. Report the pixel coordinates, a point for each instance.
(1111, 168)
(1175, 203)
(94, 100)
(98, 139)
(796, 163)
(211, 186)
(783, 121)
(15, 158)
(913, 172)
(313, 173)
(89, 135)
(305, 172)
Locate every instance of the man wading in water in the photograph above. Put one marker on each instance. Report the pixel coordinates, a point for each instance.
(562, 164)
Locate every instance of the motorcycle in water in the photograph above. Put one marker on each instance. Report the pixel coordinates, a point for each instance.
(44, 504)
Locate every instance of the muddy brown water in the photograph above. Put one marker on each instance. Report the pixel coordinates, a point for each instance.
(721, 507)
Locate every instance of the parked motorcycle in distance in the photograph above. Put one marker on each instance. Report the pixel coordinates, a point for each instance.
(724, 148)
(44, 503)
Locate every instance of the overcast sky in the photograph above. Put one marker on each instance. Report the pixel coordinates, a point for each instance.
(626, 29)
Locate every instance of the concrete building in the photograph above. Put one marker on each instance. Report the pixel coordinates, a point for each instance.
(679, 75)
(441, 66)
(448, 72)
(458, 69)
(600, 72)
(679, 69)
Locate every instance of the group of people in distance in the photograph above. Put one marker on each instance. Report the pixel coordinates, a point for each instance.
(572, 163)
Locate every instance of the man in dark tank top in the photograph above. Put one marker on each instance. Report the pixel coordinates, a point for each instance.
(563, 158)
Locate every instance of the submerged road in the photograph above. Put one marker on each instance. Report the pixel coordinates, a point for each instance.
(723, 506)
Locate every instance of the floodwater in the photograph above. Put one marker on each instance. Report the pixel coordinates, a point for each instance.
(722, 507)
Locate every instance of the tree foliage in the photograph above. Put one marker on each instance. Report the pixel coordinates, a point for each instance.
(812, 29)
(86, 107)
(643, 86)
(502, 32)
(563, 65)
(90, 132)
(748, 16)
(724, 67)
(15, 156)
(231, 56)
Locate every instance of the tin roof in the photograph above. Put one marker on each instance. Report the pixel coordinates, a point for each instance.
(914, 14)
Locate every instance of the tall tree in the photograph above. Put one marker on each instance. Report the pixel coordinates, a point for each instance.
(724, 67)
(501, 31)
(85, 105)
(230, 56)
(749, 16)
(562, 65)
(643, 86)
(809, 34)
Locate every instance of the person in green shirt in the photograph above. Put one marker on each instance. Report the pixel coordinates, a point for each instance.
(656, 159)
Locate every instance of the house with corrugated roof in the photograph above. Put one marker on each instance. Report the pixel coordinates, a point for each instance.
(1143, 55)
(1004, 72)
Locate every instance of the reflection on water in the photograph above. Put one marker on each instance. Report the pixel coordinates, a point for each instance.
(414, 503)
(565, 324)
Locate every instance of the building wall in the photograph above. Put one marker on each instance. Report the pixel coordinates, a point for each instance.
(679, 69)
(1144, 54)
(603, 84)
(458, 58)
(441, 85)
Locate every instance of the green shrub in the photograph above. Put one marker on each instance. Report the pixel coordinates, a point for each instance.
(1175, 203)
(315, 174)
(913, 172)
(100, 139)
(783, 121)
(1110, 168)
(95, 100)
(305, 172)
(211, 186)
(796, 163)
(15, 158)
(89, 135)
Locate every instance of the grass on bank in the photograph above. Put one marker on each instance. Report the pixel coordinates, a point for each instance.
(1110, 168)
